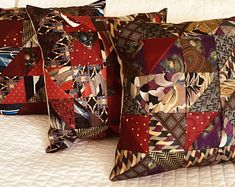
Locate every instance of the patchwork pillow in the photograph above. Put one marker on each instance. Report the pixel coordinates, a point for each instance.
(82, 74)
(22, 89)
(179, 95)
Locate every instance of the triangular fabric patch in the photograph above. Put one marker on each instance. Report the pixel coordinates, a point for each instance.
(175, 124)
(16, 95)
(160, 139)
(138, 169)
(16, 66)
(127, 159)
(37, 70)
(205, 79)
(211, 137)
(209, 100)
(224, 48)
(54, 91)
(87, 91)
(155, 49)
(196, 124)
(7, 55)
(65, 109)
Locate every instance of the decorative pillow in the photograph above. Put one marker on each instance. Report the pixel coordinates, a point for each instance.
(82, 74)
(179, 95)
(22, 88)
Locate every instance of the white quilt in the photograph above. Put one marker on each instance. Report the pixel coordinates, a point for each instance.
(23, 161)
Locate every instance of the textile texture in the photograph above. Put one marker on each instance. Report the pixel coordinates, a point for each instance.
(22, 89)
(179, 93)
(82, 74)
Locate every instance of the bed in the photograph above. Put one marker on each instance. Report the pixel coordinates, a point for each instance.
(88, 163)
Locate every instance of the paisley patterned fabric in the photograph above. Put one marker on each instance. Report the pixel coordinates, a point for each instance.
(82, 74)
(179, 94)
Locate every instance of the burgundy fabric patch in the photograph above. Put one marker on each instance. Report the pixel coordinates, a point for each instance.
(11, 33)
(134, 135)
(154, 51)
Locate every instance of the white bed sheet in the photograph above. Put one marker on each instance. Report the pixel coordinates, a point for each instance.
(87, 164)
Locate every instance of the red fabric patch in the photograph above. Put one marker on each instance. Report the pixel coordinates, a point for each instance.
(154, 50)
(157, 19)
(17, 94)
(65, 109)
(84, 23)
(134, 134)
(104, 73)
(81, 55)
(114, 111)
(16, 66)
(38, 69)
(34, 108)
(87, 92)
(197, 122)
(66, 86)
(53, 90)
(11, 33)
(108, 47)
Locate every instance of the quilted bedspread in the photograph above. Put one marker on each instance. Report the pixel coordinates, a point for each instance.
(88, 163)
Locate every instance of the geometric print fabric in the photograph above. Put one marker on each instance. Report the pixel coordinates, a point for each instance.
(182, 77)
(82, 72)
(22, 89)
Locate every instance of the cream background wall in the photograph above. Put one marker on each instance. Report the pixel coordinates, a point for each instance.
(7, 3)
(53, 3)
(178, 10)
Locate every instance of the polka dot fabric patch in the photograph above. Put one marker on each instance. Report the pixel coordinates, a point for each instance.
(134, 134)
(11, 33)
(86, 56)
(196, 123)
